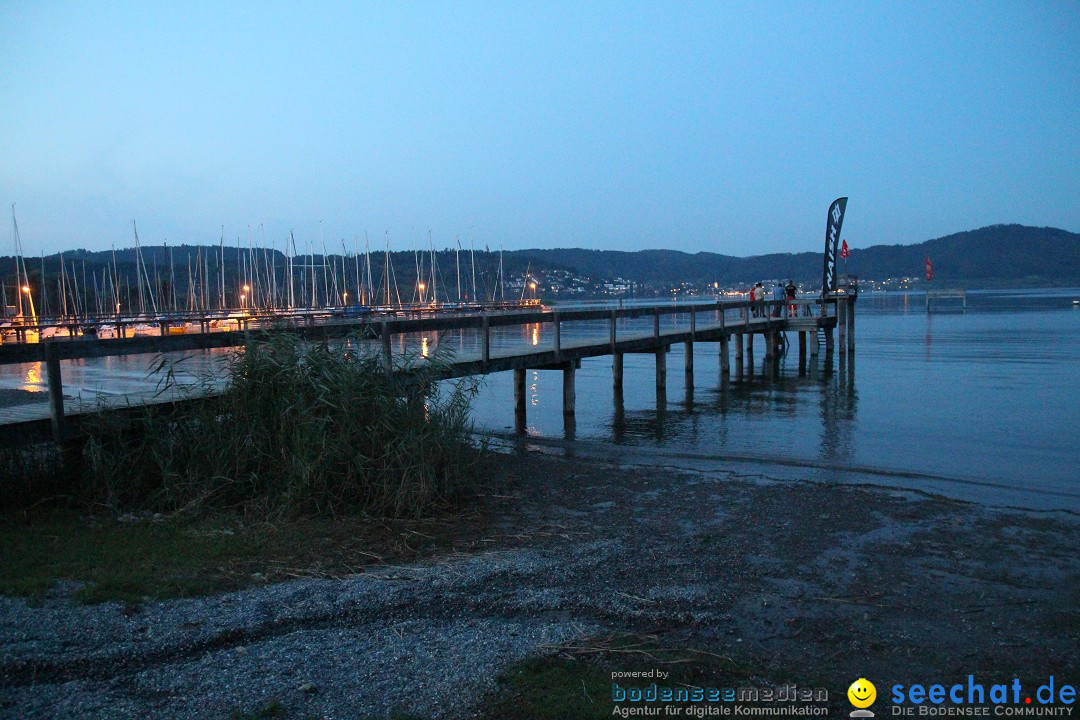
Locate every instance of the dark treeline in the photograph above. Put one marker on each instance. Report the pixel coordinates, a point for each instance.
(995, 255)
(188, 277)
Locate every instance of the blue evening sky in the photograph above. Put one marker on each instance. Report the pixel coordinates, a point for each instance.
(722, 126)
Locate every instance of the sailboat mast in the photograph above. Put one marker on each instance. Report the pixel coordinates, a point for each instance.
(472, 254)
(457, 266)
(221, 294)
(367, 261)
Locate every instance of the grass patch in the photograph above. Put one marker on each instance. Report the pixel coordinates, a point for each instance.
(130, 559)
(574, 682)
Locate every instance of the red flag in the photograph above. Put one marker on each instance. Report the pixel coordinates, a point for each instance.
(929, 269)
(844, 252)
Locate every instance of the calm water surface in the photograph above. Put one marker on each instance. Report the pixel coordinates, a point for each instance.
(975, 404)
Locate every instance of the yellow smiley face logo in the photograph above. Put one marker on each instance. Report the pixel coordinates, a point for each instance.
(862, 693)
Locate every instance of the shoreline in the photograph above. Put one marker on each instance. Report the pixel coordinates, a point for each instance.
(817, 582)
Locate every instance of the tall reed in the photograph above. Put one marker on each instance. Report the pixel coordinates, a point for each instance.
(300, 428)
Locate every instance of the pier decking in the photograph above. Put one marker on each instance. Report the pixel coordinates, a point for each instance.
(721, 322)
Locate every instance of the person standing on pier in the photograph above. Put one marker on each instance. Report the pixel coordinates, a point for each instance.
(778, 295)
(789, 292)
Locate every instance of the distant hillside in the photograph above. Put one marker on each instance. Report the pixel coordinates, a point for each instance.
(1000, 255)
(995, 255)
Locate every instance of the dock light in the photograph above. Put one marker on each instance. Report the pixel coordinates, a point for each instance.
(422, 286)
(247, 288)
(345, 297)
(26, 289)
(532, 285)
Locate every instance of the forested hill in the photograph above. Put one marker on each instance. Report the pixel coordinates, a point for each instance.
(995, 255)
(999, 255)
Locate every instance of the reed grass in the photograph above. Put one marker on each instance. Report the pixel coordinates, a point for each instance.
(301, 428)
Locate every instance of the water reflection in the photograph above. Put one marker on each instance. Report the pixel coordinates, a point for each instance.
(33, 383)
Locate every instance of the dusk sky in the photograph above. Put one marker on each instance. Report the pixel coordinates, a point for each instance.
(717, 126)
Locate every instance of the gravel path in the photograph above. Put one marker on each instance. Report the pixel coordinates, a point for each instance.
(818, 578)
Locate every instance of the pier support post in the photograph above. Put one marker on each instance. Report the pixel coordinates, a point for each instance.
(850, 325)
(617, 373)
(750, 352)
(770, 345)
(519, 399)
(569, 394)
(814, 340)
(829, 345)
(612, 330)
(841, 324)
(725, 356)
(384, 335)
(689, 364)
(739, 354)
(557, 326)
(661, 371)
(56, 392)
(485, 340)
(802, 352)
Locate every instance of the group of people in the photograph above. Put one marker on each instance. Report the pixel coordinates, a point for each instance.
(759, 294)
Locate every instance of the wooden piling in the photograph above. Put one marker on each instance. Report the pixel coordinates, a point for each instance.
(841, 324)
(739, 353)
(851, 325)
(387, 354)
(485, 340)
(689, 363)
(725, 356)
(557, 326)
(661, 370)
(519, 399)
(802, 352)
(568, 390)
(56, 392)
(617, 373)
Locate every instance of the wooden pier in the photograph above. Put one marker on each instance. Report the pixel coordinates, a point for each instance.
(722, 323)
(945, 294)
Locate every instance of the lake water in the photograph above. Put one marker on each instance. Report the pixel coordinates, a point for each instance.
(975, 405)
